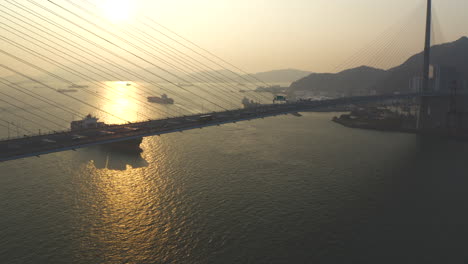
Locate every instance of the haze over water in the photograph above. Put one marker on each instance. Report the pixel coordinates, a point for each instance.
(276, 190)
(279, 190)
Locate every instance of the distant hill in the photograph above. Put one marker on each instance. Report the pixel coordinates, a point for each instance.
(453, 54)
(366, 79)
(280, 76)
(347, 82)
(276, 76)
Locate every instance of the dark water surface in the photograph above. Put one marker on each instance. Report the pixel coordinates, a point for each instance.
(279, 190)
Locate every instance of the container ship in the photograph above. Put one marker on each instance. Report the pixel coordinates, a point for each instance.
(92, 122)
(164, 99)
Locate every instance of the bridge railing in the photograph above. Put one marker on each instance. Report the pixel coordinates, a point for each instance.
(12, 138)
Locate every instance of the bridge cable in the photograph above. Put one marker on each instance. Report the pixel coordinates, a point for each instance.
(56, 77)
(62, 79)
(93, 43)
(115, 45)
(212, 54)
(191, 49)
(12, 123)
(82, 49)
(227, 87)
(64, 67)
(32, 106)
(39, 97)
(380, 40)
(22, 117)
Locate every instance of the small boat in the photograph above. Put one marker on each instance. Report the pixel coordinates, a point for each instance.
(164, 99)
(67, 90)
(76, 86)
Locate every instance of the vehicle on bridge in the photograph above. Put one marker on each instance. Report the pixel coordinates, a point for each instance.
(206, 118)
(48, 141)
(78, 137)
(105, 132)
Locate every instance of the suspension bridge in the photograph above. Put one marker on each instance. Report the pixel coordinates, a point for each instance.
(67, 43)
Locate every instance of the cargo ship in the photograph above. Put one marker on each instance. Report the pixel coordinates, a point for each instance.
(164, 99)
(103, 129)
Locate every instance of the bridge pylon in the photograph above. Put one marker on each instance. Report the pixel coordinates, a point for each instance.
(424, 107)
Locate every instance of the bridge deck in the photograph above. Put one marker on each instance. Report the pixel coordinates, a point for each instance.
(71, 140)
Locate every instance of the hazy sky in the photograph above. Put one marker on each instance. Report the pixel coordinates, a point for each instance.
(262, 35)
(315, 35)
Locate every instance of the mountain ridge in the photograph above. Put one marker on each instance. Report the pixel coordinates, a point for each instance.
(365, 79)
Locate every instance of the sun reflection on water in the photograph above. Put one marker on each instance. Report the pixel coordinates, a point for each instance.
(127, 101)
(127, 218)
(120, 103)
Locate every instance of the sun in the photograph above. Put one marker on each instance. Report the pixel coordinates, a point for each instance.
(118, 11)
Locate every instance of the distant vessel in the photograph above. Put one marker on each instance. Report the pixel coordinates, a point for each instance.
(128, 84)
(164, 99)
(76, 86)
(86, 123)
(67, 90)
(90, 122)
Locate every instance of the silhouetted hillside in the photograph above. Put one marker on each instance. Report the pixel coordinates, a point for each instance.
(280, 76)
(365, 79)
(347, 82)
(276, 76)
(453, 54)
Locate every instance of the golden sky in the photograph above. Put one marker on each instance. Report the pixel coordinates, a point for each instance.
(313, 35)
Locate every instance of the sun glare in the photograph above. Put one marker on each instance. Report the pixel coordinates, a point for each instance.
(118, 11)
